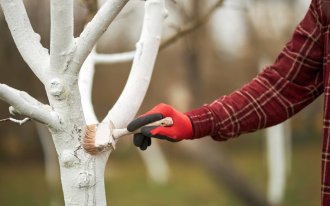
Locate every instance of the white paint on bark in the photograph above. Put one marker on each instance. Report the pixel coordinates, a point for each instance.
(137, 84)
(114, 58)
(26, 105)
(86, 77)
(93, 31)
(61, 33)
(82, 175)
(275, 139)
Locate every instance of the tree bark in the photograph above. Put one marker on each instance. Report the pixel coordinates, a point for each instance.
(82, 175)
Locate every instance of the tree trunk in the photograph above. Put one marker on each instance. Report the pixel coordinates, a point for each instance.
(82, 175)
(83, 184)
(51, 164)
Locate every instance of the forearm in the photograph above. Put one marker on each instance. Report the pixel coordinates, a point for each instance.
(267, 100)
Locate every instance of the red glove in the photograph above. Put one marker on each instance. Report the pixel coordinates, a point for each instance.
(181, 128)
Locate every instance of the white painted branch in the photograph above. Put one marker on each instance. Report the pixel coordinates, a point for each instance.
(86, 76)
(18, 121)
(94, 30)
(26, 105)
(147, 49)
(26, 40)
(114, 58)
(61, 33)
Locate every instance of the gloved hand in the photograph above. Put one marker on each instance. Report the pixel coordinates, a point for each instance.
(181, 128)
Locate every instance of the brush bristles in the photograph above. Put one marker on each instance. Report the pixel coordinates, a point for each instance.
(89, 140)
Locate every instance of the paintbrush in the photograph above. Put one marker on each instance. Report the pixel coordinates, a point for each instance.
(103, 136)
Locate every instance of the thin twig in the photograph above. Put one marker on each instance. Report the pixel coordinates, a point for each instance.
(20, 122)
(189, 27)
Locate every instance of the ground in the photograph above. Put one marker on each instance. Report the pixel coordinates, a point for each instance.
(127, 184)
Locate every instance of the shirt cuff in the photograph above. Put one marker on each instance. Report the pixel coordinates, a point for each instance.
(202, 122)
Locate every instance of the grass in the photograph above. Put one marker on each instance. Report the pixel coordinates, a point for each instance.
(127, 183)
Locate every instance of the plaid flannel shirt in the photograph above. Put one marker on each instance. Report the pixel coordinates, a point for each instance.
(299, 75)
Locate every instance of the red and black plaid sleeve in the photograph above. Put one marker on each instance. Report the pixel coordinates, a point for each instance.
(277, 93)
(299, 75)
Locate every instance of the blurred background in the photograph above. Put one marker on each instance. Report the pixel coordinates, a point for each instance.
(225, 52)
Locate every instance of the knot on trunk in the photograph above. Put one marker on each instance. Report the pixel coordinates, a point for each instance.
(86, 180)
(67, 158)
(57, 89)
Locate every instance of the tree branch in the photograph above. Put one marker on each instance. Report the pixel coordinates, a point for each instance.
(20, 122)
(147, 49)
(61, 40)
(26, 40)
(99, 24)
(86, 76)
(113, 58)
(26, 105)
(191, 26)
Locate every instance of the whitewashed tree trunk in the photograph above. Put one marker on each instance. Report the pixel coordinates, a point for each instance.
(82, 175)
(276, 154)
(51, 163)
